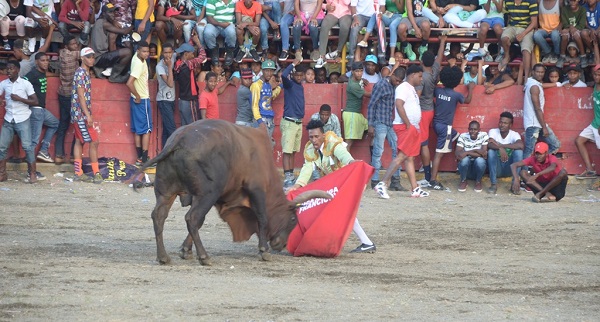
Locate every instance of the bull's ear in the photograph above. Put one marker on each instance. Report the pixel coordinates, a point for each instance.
(307, 195)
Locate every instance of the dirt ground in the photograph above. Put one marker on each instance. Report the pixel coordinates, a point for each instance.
(75, 251)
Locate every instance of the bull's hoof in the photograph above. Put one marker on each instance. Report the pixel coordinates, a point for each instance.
(164, 261)
(265, 256)
(185, 253)
(205, 261)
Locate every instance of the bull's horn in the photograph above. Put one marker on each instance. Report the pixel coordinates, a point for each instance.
(311, 194)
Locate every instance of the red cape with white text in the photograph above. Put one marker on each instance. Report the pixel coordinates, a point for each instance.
(324, 225)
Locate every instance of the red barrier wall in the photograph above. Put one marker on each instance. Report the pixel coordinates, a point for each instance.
(568, 111)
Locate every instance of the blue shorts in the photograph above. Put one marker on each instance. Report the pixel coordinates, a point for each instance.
(445, 136)
(493, 21)
(141, 116)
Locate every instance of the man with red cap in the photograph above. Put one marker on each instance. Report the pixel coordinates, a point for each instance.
(550, 178)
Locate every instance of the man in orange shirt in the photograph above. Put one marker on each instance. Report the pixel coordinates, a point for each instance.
(209, 100)
(247, 16)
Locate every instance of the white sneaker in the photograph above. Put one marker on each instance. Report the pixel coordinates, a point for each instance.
(320, 62)
(392, 61)
(107, 72)
(482, 51)
(332, 55)
(363, 44)
(419, 193)
(381, 190)
(31, 46)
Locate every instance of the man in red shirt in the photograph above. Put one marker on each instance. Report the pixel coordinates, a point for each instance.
(209, 100)
(550, 178)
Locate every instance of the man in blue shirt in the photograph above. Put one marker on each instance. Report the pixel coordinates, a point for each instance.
(291, 123)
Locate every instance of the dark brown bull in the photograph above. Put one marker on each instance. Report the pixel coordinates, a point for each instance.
(214, 162)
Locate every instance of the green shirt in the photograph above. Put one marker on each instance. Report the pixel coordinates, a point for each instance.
(576, 19)
(596, 99)
(221, 11)
(355, 94)
(417, 8)
(390, 5)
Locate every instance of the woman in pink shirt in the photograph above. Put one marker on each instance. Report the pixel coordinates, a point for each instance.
(338, 12)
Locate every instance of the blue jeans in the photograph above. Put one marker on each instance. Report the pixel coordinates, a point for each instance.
(540, 36)
(362, 22)
(167, 114)
(286, 21)
(275, 15)
(392, 22)
(188, 112)
(211, 33)
(499, 169)
(189, 26)
(532, 134)
(471, 168)
(40, 117)
(23, 130)
(314, 34)
(382, 132)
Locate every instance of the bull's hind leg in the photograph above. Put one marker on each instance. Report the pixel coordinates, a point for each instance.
(159, 215)
(257, 200)
(194, 220)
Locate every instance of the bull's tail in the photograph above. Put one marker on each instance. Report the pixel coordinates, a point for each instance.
(169, 148)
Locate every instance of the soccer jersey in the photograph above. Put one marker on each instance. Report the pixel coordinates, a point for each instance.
(446, 100)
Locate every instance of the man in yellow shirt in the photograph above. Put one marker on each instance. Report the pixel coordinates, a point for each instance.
(141, 113)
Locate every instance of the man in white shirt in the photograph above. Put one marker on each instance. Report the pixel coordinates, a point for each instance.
(471, 152)
(361, 11)
(504, 148)
(40, 14)
(573, 77)
(18, 95)
(406, 125)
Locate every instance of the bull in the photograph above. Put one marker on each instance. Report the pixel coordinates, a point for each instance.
(217, 163)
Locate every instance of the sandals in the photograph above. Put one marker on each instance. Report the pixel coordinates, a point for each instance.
(586, 175)
(419, 193)
(436, 185)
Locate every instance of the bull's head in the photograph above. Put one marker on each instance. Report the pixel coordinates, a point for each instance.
(282, 227)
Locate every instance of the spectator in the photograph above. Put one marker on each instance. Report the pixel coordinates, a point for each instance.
(494, 19)
(271, 16)
(152, 60)
(549, 27)
(504, 148)
(380, 114)
(464, 14)
(18, 94)
(321, 76)
(390, 17)
(244, 100)
(361, 11)
(338, 13)
(330, 121)
(81, 115)
(110, 63)
(40, 116)
(256, 71)
(471, 155)
(533, 114)
(186, 81)
(220, 15)
(264, 91)
(27, 60)
(74, 14)
(552, 78)
(591, 34)
(573, 77)
(209, 99)
(406, 126)
(590, 133)
(247, 17)
(573, 21)
(522, 20)
(287, 21)
(309, 15)
(144, 19)
(446, 101)
(216, 68)
(472, 74)
(141, 110)
(497, 80)
(334, 77)
(309, 76)
(165, 96)
(69, 59)
(355, 124)
(199, 23)
(550, 178)
(40, 16)
(417, 17)
(171, 18)
(15, 17)
(291, 123)
(334, 157)
(370, 67)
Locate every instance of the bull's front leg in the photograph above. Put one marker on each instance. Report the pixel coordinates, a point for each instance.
(194, 219)
(257, 200)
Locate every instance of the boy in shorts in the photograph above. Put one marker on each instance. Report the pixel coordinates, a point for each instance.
(446, 99)
(141, 112)
(81, 116)
(590, 133)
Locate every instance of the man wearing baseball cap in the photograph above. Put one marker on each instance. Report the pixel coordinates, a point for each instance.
(573, 73)
(263, 93)
(549, 179)
(244, 100)
(186, 80)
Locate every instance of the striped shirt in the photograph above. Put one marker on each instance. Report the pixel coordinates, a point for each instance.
(468, 144)
(520, 15)
(221, 11)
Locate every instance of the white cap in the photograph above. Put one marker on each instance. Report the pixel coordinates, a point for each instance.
(86, 51)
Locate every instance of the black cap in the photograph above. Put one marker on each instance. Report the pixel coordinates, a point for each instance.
(571, 67)
(357, 65)
(413, 69)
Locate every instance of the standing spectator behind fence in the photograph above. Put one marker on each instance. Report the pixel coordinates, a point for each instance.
(263, 94)
(172, 17)
(338, 13)
(141, 111)
(165, 96)
(75, 14)
(40, 15)
(549, 27)
(573, 21)
(69, 59)
(15, 17)
(186, 80)
(355, 124)
(144, 19)
(220, 15)
(244, 100)
(522, 21)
